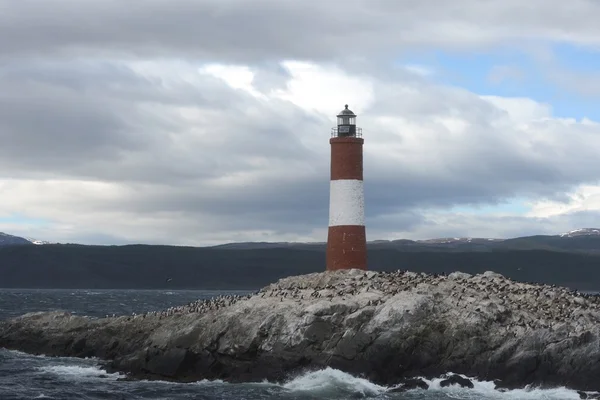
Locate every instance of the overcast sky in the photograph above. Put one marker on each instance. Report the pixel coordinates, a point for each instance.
(198, 122)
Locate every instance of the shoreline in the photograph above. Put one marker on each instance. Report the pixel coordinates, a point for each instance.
(387, 326)
(318, 381)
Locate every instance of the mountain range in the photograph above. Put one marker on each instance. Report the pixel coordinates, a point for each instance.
(570, 259)
(586, 239)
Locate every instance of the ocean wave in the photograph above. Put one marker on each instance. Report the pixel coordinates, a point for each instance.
(23, 354)
(79, 372)
(333, 381)
(335, 384)
(487, 390)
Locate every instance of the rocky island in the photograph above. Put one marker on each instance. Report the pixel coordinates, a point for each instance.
(387, 327)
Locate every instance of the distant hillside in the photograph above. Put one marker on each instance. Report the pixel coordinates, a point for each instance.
(581, 240)
(10, 240)
(139, 266)
(571, 259)
(578, 240)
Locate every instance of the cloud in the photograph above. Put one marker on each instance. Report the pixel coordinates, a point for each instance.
(237, 31)
(261, 159)
(208, 122)
(586, 198)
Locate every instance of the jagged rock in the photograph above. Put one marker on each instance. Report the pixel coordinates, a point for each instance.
(590, 396)
(379, 325)
(457, 380)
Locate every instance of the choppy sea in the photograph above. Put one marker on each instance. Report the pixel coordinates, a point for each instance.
(24, 376)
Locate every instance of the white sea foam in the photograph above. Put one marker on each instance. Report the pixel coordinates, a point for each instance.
(326, 381)
(23, 354)
(341, 384)
(487, 390)
(203, 382)
(333, 381)
(29, 355)
(78, 372)
(209, 382)
(337, 382)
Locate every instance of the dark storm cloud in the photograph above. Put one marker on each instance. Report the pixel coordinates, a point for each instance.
(245, 160)
(102, 120)
(223, 29)
(250, 31)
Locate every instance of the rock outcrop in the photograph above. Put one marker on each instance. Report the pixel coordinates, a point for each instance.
(387, 327)
(457, 380)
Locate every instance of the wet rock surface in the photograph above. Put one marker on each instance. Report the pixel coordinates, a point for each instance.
(410, 384)
(590, 395)
(457, 380)
(384, 326)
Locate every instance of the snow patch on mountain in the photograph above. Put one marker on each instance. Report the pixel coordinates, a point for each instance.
(457, 240)
(38, 242)
(582, 232)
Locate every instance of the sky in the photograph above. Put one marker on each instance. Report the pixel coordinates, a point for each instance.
(199, 122)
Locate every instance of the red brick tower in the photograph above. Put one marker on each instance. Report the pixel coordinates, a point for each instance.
(346, 239)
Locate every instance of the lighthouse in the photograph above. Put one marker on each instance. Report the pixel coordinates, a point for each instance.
(346, 237)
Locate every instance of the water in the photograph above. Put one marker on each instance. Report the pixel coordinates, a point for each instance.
(24, 376)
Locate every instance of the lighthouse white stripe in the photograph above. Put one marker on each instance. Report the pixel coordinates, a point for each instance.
(346, 202)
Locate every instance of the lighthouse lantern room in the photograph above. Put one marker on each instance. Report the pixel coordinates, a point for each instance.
(346, 124)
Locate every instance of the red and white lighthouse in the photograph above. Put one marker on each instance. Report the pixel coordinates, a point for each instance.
(346, 238)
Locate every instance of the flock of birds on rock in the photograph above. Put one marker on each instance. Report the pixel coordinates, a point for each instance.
(535, 305)
(526, 305)
(198, 306)
(529, 305)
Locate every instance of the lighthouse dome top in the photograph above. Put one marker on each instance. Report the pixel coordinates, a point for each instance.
(346, 124)
(346, 112)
